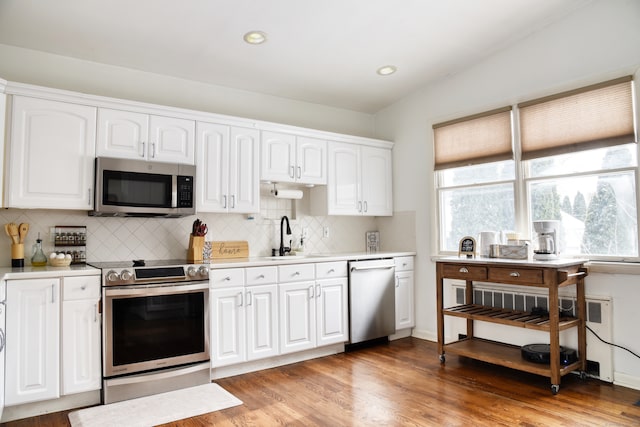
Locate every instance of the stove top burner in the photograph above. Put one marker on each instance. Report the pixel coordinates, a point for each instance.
(120, 273)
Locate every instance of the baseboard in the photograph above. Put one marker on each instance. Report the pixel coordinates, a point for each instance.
(625, 380)
(425, 335)
(63, 403)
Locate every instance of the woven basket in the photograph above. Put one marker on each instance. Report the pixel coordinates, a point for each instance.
(55, 262)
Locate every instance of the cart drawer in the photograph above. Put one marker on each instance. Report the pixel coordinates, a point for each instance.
(516, 275)
(464, 272)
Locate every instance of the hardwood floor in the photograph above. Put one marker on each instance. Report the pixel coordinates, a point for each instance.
(403, 384)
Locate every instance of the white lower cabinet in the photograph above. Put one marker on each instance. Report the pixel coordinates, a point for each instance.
(244, 319)
(405, 316)
(32, 341)
(53, 348)
(313, 311)
(81, 348)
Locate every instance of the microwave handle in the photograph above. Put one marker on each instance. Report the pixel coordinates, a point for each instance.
(174, 191)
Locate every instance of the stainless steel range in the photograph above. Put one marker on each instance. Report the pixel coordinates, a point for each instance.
(155, 327)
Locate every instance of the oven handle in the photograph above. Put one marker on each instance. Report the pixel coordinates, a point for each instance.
(163, 289)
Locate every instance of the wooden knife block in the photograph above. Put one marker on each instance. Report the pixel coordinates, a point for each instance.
(196, 246)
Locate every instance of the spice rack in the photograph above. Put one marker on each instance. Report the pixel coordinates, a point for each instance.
(72, 240)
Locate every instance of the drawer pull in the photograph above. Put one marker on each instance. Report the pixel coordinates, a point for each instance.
(226, 279)
(331, 271)
(514, 274)
(463, 270)
(261, 276)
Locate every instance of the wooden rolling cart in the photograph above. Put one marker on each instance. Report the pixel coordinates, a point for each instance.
(551, 275)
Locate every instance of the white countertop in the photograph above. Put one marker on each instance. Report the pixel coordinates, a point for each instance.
(311, 258)
(30, 272)
(554, 263)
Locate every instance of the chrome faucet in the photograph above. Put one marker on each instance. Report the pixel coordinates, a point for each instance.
(283, 249)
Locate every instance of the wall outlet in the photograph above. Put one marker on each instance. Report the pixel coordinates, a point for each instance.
(305, 232)
(325, 232)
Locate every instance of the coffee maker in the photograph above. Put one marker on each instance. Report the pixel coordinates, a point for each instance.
(545, 245)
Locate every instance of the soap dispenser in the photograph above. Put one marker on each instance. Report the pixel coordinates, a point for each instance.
(38, 259)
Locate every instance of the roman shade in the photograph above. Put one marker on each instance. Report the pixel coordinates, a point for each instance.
(481, 138)
(595, 116)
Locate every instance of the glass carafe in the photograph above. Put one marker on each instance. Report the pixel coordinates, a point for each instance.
(38, 259)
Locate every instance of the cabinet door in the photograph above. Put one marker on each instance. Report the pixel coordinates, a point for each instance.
(33, 341)
(297, 317)
(262, 321)
(212, 161)
(404, 300)
(311, 161)
(377, 196)
(122, 134)
(343, 180)
(331, 297)
(244, 172)
(228, 339)
(278, 151)
(171, 140)
(81, 351)
(52, 151)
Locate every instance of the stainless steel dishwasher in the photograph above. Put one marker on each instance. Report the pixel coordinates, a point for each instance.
(372, 301)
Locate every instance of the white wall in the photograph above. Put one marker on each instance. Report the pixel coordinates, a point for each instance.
(55, 71)
(600, 42)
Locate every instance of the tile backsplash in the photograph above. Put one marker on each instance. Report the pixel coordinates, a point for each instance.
(118, 239)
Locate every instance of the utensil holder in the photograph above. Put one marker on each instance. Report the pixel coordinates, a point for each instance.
(196, 246)
(17, 255)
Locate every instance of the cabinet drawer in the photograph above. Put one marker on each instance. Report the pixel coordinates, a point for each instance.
(261, 275)
(296, 273)
(328, 270)
(81, 287)
(464, 272)
(403, 263)
(515, 275)
(226, 277)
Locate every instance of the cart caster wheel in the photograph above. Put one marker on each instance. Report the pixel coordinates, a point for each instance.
(441, 358)
(583, 375)
(555, 388)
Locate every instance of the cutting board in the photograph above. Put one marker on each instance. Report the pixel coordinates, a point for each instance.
(230, 249)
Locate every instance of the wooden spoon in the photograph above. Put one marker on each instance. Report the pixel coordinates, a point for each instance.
(6, 229)
(23, 229)
(13, 230)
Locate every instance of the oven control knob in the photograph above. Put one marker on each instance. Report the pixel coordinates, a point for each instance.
(112, 276)
(126, 275)
(191, 272)
(203, 271)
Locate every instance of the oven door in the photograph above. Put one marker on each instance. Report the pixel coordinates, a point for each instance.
(155, 326)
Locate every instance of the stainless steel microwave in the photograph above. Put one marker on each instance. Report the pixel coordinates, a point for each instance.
(127, 187)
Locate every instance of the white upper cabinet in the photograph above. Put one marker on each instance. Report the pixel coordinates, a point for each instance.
(293, 159)
(227, 169)
(51, 154)
(359, 182)
(131, 135)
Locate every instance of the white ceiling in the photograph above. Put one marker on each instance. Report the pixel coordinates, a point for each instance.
(319, 51)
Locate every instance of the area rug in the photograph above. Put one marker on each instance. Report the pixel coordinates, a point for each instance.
(157, 409)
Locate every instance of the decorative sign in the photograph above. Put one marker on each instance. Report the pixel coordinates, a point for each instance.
(230, 249)
(467, 247)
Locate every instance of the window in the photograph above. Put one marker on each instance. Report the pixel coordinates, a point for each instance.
(579, 166)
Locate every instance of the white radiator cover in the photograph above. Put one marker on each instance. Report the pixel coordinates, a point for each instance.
(599, 319)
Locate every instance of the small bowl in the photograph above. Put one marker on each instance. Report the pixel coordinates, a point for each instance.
(55, 262)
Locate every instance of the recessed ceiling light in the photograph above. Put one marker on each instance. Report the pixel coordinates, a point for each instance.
(255, 37)
(387, 70)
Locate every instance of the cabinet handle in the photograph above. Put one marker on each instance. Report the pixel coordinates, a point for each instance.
(299, 172)
(233, 201)
(249, 298)
(310, 290)
(292, 173)
(463, 270)
(53, 295)
(153, 150)
(241, 295)
(89, 199)
(318, 291)
(143, 149)
(331, 271)
(2, 339)
(297, 273)
(261, 276)
(397, 282)
(359, 206)
(95, 313)
(366, 208)
(226, 279)
(224, 201)
(514, 274)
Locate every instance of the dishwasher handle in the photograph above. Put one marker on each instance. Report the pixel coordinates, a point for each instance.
(372, 267)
